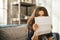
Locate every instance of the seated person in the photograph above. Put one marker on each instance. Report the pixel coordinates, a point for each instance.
(32, 26)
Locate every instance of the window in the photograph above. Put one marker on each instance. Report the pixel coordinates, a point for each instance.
(3, 11)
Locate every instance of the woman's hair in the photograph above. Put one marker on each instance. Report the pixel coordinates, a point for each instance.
(35, 13)
(41, 9)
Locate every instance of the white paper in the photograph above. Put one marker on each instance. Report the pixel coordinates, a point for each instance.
(43, 20)
(44, 25)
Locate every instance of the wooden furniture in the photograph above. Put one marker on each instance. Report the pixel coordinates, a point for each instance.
(16, 15)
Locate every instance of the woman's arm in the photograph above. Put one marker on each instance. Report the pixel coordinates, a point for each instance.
(34, 37)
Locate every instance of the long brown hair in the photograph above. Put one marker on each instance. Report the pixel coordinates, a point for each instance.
(41, 9)
(35, 13)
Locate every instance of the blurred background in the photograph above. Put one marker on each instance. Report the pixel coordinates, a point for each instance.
(12, 10)
(18, 11)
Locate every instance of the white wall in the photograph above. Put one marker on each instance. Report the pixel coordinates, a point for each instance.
(1, 12)
(5, 11)
(45, 3)
(56, 15)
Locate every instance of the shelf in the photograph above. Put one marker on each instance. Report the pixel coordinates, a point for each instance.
(14, 3)
(23, 4)
(15, 19)
(27, 4)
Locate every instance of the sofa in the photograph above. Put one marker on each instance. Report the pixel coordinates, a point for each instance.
(18, 33)
(13, 33)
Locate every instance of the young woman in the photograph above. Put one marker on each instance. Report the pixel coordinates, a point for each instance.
(38, 12)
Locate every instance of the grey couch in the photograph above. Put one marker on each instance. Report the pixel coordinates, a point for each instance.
(17, 33)
(13, 33)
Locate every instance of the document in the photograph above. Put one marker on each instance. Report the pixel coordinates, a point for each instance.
(44, 25)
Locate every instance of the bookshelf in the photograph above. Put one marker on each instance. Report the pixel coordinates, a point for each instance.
(16, 17)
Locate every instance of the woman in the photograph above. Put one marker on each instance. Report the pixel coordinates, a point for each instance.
(38, 12)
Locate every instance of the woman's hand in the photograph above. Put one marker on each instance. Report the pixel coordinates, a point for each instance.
(50, 38)
(35, 26)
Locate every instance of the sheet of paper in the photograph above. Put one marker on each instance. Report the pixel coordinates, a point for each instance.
(43, 20)
(44, 25)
